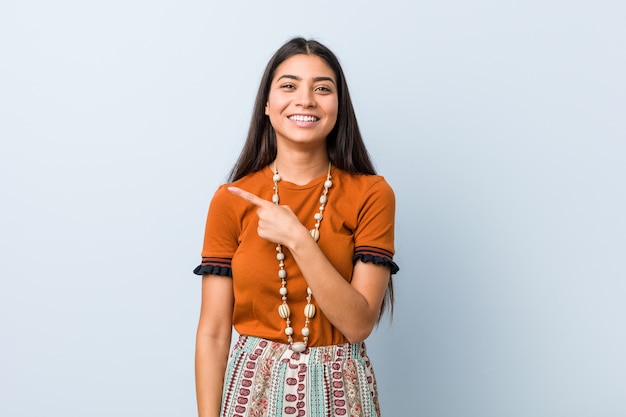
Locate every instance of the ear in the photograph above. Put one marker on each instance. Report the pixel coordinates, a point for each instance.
(267, 109)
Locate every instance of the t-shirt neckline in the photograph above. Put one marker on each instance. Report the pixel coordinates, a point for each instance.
(269, 173)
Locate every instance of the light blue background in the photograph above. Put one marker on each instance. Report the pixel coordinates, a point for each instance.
(500, 124)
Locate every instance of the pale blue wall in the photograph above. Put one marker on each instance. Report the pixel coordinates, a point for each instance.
(500, 124)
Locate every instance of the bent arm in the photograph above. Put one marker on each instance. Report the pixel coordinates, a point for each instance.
(213, 342)
(352, 307)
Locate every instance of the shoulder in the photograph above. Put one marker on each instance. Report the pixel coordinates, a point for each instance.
(255, 183)
(365, 185)
(251, 182)
(257, 177)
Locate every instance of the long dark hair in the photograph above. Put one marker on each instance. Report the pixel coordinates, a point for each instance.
(344, 143)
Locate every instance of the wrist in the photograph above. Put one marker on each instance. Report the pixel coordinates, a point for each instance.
(300, 239)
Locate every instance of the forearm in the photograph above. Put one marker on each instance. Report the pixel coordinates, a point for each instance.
(211, 359)
(351, 311)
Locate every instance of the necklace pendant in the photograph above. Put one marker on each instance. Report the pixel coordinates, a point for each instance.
(315, 234)
(298, 347)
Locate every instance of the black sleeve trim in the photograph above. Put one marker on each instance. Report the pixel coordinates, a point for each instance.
(375, 255)
(213, 270)
(214, 266)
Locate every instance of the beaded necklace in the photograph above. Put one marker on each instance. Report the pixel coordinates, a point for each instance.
(309, 310)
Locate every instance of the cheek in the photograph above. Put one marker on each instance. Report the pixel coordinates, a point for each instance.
(335, 107)
(275, 105)
(335, 112)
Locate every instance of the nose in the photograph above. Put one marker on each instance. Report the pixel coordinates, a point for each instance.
(306, 98)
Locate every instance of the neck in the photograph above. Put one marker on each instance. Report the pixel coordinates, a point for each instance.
(301, 168)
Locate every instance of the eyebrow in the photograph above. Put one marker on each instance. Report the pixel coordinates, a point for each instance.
(295, 77)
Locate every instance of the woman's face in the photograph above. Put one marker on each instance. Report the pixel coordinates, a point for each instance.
(303, 101)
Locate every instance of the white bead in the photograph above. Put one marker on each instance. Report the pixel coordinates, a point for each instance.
(305, 331)
(309, 311)
(283, 311)
(315, 234)
(298, 347)
(276, 177)
(275, 199)
(283, 290)
(289, 331)
(318, 216)
(308, 291)
(323, 199)
(282, 274)
(328, 184)
(280, 256)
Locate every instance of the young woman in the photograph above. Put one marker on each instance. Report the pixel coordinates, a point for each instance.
(298, 254)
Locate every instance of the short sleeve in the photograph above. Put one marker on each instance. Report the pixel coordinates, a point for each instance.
(374, 234)
(220, 236)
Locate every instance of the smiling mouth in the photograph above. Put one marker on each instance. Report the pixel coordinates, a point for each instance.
(303, 118)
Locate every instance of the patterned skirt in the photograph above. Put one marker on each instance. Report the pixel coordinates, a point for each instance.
(268, 379)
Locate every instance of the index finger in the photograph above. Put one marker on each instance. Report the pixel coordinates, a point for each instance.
(257, 201)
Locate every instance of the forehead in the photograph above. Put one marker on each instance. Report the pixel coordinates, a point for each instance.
(305, 67)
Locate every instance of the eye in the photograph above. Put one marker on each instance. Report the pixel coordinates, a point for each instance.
(323, 89)
(287, 86)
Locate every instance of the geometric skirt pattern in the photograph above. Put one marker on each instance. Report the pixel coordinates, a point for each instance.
(268, 379)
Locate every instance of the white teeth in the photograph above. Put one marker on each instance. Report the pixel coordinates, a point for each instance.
(301, 118)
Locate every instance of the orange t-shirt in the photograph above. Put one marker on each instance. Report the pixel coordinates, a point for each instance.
(358, 224)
